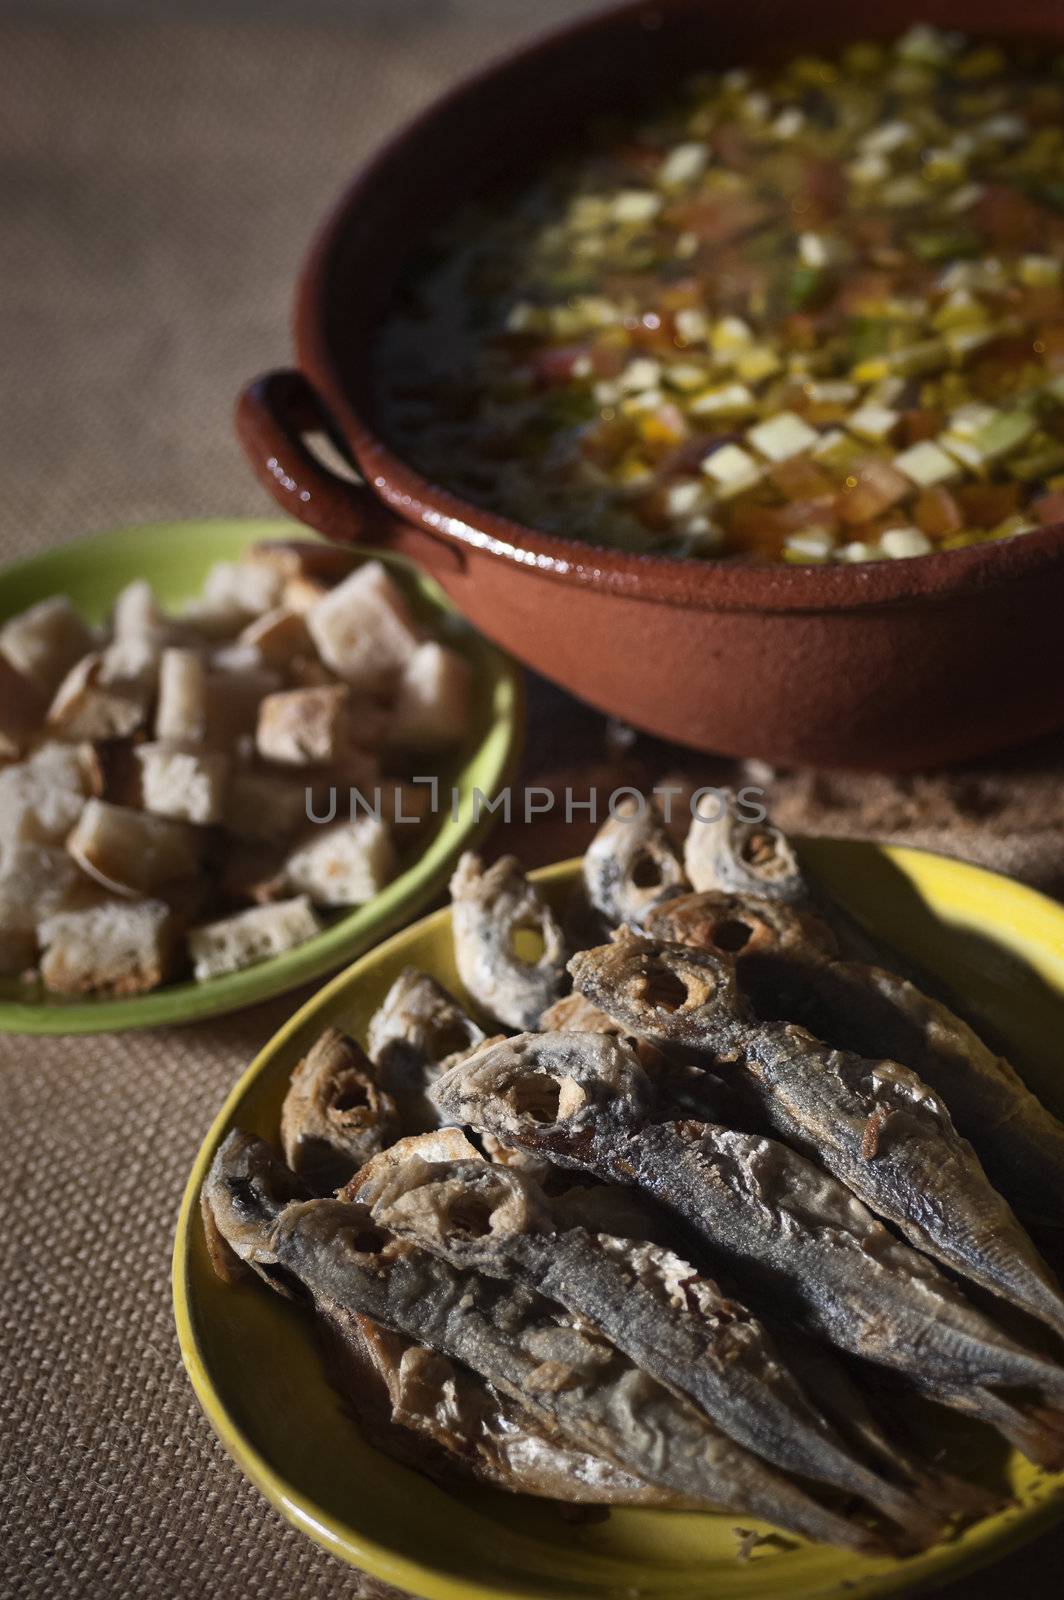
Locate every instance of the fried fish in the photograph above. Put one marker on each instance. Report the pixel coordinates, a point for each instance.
(875, 1124)
(491, 907)
(335, 1114)
(429, 1412)
(670, 1319)
(417, 1027)
(791, 1232)
(632, 864)
(865, 1008)
(575, 1382)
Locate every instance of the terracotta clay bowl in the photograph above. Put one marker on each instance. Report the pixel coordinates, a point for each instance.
(891, 664)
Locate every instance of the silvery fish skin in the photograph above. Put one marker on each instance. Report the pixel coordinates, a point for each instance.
(875, 1124)
(417, 1027)
(574, 1381)
(489, 905)
(737, 855)
(867, 1009)
(792, 1232)
(431, 1413)
(335, 1114)
(632, 864)
(669, 1318)
(889, 1138)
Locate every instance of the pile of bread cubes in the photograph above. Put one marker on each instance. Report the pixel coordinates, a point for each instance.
(158, 776)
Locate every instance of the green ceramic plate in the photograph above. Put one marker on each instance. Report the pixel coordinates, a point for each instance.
(175, 557)
(255, 1367)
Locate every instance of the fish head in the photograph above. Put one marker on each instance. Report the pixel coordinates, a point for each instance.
(665, 992)
(245, 1191)
(740, 925)
(459, 1202)
(555, 1093)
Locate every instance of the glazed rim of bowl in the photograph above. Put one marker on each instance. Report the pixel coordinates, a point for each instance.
(716, 585)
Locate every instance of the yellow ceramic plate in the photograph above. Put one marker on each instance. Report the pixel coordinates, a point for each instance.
(174, 557)
(253, 1362)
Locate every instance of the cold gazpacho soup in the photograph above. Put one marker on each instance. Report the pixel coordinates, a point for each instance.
(810, 314)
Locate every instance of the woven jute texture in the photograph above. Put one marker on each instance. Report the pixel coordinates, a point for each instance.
(158, 183)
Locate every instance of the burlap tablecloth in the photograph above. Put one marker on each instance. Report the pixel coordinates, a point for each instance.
(158, 183)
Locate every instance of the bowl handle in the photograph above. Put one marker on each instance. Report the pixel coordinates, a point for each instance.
(272, 415)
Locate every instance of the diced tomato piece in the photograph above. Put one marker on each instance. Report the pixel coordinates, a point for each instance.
(609, 359)
(719, 220)
(800, 479)
(919, 424)
(864, 289)
(984, 505)
(1050, 508)
(1002, 368)
(937, 513)
(731, 146)
(823, 188)
(748, 520)
(798, 331)
(878, 486)
(1007, 219)
(1040, 304)
(555, 364)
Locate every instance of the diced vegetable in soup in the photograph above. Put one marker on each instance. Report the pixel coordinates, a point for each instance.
(808, 315)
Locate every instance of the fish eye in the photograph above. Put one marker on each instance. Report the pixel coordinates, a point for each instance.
(352, 1095)
(732, 934)
(663, 989)
(538, 1095)
(646, 873)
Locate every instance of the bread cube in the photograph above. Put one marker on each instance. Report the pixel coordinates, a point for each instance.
(277, 636)
(234, 693)
(299, 594)
(259, 805)
(433, 698)
(131, 666)
(22, 709)
(136, 614)
(239, 941)
(363, 629)
(303, 727)
(345, 863)
(37, 881)
(250, 587)
(187, 784)
(41, 798)
(118, 947)
(181, 711)
(85, 707)
(45, 641)
(202, 621)
(130, 851)
(302, 558)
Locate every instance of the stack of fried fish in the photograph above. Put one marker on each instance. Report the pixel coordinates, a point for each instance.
(717, 1183)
